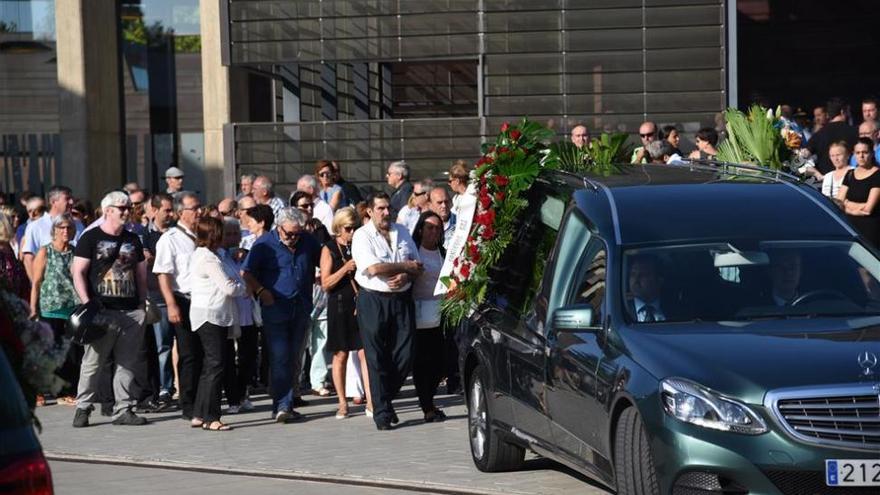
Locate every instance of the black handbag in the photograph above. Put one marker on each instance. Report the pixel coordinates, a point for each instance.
(82, 325)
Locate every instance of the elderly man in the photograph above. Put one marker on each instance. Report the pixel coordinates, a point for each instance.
(387, 261)
(228, 208)
(580, 136)
(171, 266)
(39, 232)
(174, 181)
(440, 203)
(280, 271)
(264, 192)
(109, 267)
(320, 209)
(647, 134)
(398, 178)
(245, 185)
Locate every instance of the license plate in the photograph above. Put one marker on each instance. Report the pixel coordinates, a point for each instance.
(852, 472)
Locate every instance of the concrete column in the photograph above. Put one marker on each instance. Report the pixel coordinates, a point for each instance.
(219, 176)
(89, 98)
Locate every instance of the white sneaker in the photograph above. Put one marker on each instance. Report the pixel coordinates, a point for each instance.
(233, 409)
(368, 412)
(247, 405)
(282, 416)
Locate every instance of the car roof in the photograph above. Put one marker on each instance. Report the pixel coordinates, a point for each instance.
(666, 203)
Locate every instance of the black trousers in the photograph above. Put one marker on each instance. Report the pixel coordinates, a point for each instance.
(214, 343)
(239, 372)
(386, 321)
(453, 380)
(190, 356)
(427, 365)
(149, 384)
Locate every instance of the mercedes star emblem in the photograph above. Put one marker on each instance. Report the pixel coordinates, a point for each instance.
(868, 361)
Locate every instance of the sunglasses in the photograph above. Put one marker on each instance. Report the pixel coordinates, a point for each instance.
(646, 135)
(349, 228)
(288, 235)
(325, 174)
(305, 206)
(226, 213)
(122, 208)
(423, 192)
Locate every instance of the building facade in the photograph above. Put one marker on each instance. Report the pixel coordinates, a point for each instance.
(124, 89)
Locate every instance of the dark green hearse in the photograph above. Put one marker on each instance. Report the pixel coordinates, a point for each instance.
(681, 329)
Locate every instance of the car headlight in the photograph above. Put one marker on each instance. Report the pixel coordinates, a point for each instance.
(698, 405)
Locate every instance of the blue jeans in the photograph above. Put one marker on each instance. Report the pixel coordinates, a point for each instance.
(284, 324)
(164, 341)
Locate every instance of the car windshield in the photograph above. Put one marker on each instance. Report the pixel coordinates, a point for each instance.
(750, 280)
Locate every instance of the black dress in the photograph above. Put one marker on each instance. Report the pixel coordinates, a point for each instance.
(342, 325)
(858, 191)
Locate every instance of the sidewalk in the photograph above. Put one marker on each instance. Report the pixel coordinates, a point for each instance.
(431, 457)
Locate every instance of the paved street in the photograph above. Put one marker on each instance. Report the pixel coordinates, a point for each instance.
(415, 456)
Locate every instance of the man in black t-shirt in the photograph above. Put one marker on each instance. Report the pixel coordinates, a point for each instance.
(836, 130)
(109, 266)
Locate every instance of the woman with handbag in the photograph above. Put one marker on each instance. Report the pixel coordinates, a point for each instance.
(337, 280)
(53, 297)
(428, 362)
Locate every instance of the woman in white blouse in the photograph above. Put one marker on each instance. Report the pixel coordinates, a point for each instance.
(214, 315)
(839, 155)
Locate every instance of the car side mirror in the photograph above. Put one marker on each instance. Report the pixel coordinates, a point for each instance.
(574, 318)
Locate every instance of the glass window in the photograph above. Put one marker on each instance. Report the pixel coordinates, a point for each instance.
(751, 280)
(589, 286)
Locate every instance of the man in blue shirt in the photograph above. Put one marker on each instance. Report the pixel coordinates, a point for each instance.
(280, 271)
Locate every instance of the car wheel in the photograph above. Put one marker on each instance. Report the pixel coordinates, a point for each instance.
(633, 463)
(490, 453)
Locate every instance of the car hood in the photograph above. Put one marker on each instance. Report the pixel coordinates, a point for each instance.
(746, 359)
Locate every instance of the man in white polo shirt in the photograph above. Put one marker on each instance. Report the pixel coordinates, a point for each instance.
(387, 261)
(39, 232)
(171, 266)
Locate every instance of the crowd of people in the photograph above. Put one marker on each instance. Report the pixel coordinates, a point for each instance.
(325, 293)
(840, 150)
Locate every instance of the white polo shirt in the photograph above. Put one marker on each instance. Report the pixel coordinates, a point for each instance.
(369, 247)
(323, 212)
(173, 253)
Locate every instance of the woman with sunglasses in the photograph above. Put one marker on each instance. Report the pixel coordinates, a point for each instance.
(329, 190)
(337, 279)
(53, 297)
(418, 202)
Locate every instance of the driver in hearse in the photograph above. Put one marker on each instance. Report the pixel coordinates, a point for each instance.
(645, 300)
(785, 276)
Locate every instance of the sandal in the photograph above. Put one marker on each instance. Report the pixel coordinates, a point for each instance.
(67, 400)
(216, 426)
(197, 423)
(322, 392)
(435, 416)
(341, 413)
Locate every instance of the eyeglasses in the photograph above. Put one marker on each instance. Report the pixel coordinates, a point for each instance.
(305, 206)
(288, 235)
(646, 135)
(422, 193)
(325, 174)
(349, 228)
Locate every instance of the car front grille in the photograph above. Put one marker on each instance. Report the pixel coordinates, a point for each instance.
(812, 483)
(847, 416)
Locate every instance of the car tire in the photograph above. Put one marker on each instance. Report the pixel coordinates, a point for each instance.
(633, 462)
(489, 452)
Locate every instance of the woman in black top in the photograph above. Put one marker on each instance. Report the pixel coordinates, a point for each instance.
(860, 193)
(337, 280)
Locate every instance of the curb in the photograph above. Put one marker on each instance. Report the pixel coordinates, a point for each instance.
(327, 478)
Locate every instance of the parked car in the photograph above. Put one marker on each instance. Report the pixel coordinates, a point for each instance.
(23, 469)
(681, 329)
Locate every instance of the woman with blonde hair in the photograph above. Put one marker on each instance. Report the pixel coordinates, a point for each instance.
(337, 280)
(12, 275)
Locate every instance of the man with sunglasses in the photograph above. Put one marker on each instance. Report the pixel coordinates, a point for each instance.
(648, 134)
(109, 266)
(280, 271)
(320, 208)
(171, 266)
